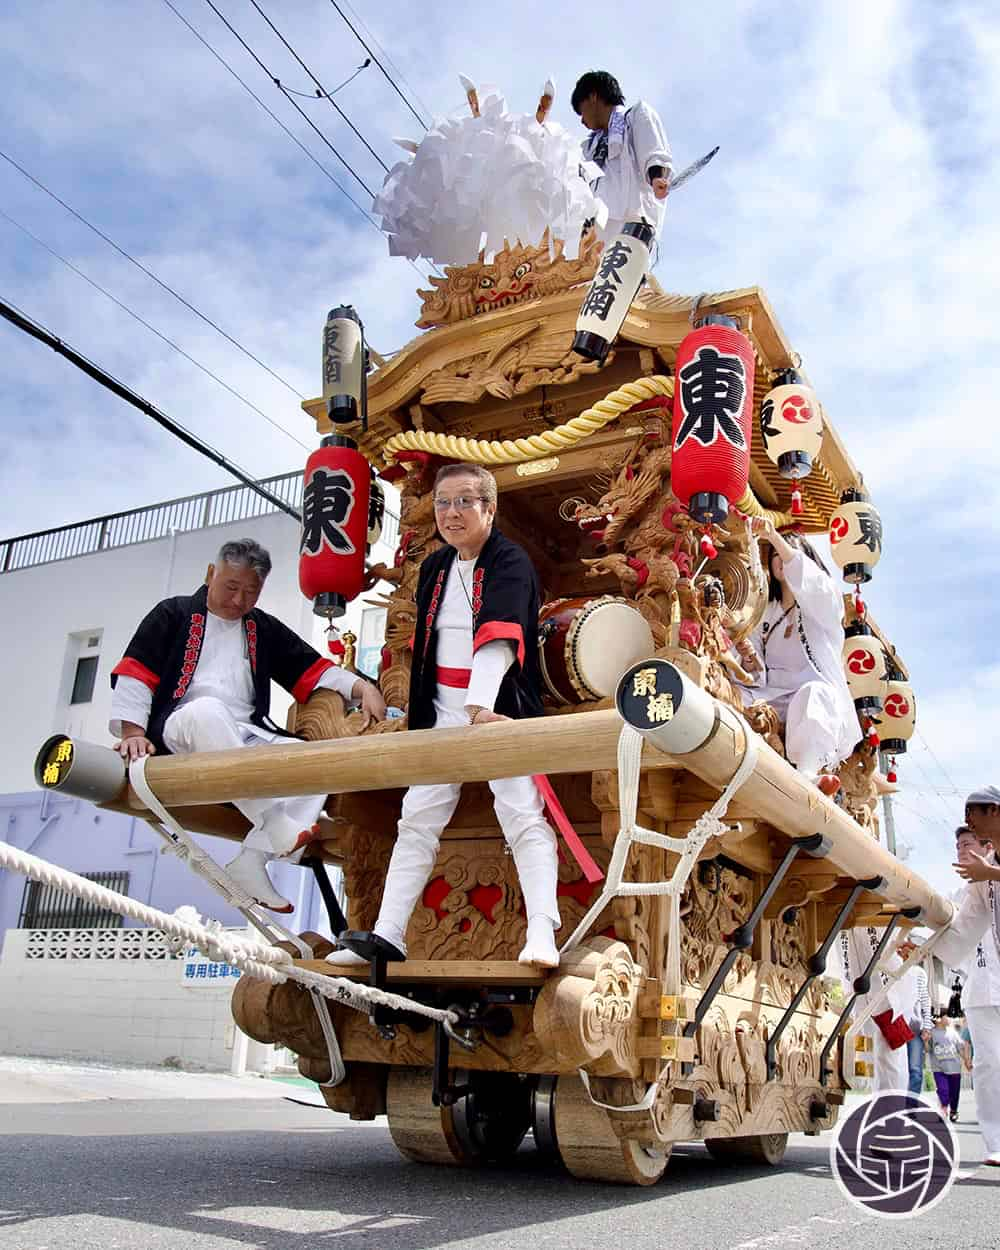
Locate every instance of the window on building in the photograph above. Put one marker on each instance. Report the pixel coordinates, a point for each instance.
(84, 679)
(45, 907)
(371, 637)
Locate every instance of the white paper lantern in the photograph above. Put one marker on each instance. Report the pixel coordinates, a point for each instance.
(865, 666)
(899, 715)
(791, 425)
(856, 536)
(620, 273)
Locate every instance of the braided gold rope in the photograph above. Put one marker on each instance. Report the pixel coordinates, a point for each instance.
(495, 452)
(535, 446)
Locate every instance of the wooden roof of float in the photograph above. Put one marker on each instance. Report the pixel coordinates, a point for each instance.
(496, 363)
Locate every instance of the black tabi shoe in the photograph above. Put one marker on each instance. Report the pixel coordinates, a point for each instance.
(369, 945)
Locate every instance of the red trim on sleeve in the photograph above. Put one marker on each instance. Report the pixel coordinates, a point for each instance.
(306, 684)
(500, 629)
(128, 667)
(456, 678)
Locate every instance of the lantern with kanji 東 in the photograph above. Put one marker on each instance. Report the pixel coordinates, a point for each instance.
(621, 271)
(713, 406)
(856, 535)
(335, 506)
(791, 429)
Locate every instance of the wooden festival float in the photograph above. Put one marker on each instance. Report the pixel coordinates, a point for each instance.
(723, 1032)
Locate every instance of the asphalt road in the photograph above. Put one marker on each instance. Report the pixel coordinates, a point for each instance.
(100, 1173)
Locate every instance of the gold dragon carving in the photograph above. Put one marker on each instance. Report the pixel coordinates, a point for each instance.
(514, 275)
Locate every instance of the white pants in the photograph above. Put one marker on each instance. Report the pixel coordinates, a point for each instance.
(984, 1029)
(426, 813)
(207, 724)
(812, 723)
(892, 1068)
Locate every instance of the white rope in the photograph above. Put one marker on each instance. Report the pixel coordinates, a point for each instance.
(709, 825)
(269, 963)
(180, 842)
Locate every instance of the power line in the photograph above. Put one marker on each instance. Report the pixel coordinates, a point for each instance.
(273, 116)
(319, 95)
(152, 329)
(389, 79)
(931, 752)
(277, 82)
(149, 273)
(37, 331)
(328, 95)
(277, 120)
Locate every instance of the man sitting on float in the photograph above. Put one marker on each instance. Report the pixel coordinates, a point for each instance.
(197, 677)
(799, 643)
(475, 660)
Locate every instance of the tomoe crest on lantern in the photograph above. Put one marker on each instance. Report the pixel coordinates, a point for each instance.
(713, 403)
(856, 535)
(865, 667)
(899, 712)
(791, 428)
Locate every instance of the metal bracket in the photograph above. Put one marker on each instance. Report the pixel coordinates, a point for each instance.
(335, 915)
(817, 966)
(816, 845)
(443, 1093)
(861, 986)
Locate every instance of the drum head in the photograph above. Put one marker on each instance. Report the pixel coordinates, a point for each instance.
(607, 638)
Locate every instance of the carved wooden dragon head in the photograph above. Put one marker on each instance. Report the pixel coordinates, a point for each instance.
(515, 274)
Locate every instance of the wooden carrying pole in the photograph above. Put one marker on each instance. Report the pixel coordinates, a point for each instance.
(581, 743)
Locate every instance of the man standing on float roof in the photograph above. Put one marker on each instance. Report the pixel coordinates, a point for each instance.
(630, 147)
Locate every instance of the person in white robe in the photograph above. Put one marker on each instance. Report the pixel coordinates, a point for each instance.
(975, 926)
(799, 644)
(218, 698)
(629, 146)
(891, 1064)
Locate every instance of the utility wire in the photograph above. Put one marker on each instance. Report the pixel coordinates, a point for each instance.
(388, 77)
(149, 273)
(273, 116)
(277, 120)
(319, 95)
(111, 383)
(277, 82)
(152, 329)
(933, 755)
(319, 86)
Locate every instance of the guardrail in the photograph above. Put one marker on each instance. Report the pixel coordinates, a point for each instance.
(191, 512)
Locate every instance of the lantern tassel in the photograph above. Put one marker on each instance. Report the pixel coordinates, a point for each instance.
(707, 546)
(859, 605)
(891, 774)
(796, 508)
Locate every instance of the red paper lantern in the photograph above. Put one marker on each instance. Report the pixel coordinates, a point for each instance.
(335, 504)
(713, 410)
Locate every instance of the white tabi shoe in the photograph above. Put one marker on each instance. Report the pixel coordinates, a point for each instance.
(249, 871)
(540, 944)
(344, 958)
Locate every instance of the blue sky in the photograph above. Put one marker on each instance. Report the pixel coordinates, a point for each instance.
(857, 184)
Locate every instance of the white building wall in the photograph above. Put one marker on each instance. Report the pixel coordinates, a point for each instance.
(51, 611)
(120, 1010)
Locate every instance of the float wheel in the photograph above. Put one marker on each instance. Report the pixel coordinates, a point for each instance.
(487, 1124)
(768, 1148)
(590, 1148)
